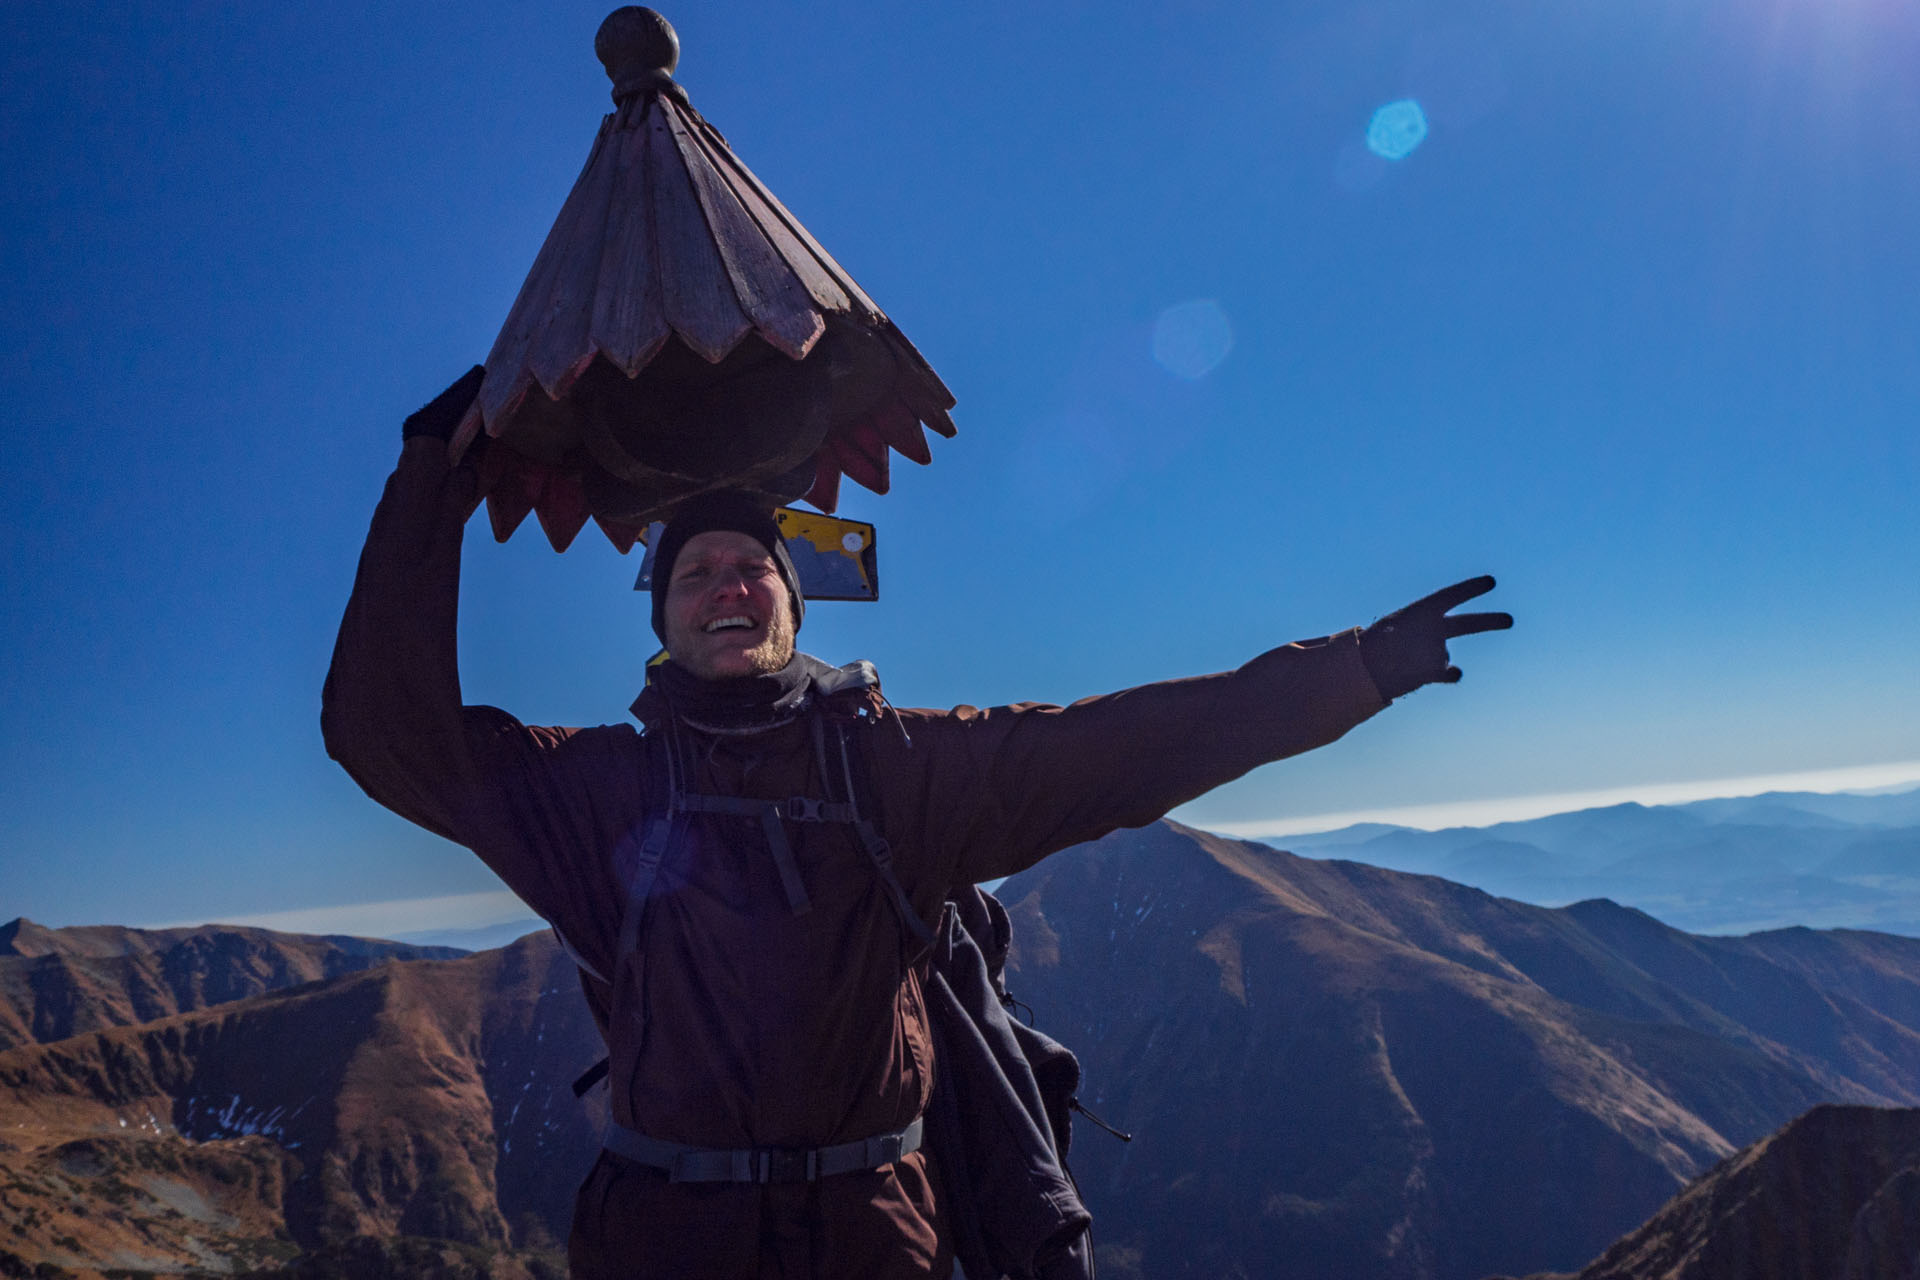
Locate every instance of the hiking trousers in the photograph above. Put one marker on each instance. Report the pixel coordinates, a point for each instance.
(631, 1222)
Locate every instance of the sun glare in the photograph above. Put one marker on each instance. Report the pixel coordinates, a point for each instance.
(1191, 339)
(1397, 130)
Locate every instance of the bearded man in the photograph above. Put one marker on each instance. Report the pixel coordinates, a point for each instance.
(742, 883)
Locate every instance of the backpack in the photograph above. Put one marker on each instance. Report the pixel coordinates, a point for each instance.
(1000, 1119)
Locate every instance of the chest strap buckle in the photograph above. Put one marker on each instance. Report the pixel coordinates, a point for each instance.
(805, 809)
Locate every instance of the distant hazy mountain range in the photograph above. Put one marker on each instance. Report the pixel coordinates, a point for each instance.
(1713, 866)
(1331, 1071)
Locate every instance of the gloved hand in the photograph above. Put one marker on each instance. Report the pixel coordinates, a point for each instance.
(442, 414)
(1408, 647)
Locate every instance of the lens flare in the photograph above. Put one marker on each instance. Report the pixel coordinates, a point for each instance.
(1190, 339)
(1397, 129)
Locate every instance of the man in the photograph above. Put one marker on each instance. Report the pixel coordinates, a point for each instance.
(747, 942)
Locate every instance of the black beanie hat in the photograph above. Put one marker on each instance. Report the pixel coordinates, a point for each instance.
(728, 509)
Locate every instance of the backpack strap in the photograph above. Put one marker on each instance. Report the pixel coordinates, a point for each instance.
(770, 813)
(651, 838)
(645, 844)
(773, 815)
(592, 1076)
(879, 852)
(661, 833)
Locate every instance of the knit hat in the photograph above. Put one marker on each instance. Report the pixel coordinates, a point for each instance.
(731, 510)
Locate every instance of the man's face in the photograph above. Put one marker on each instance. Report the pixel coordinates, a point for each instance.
(727, 610)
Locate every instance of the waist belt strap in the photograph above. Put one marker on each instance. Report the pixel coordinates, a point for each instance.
(762, 1164)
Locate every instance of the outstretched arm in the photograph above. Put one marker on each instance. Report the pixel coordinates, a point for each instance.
(1011, 784)
(1005, 786)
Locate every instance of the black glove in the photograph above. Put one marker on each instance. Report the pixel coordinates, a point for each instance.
(1408, 647)
(442, 414)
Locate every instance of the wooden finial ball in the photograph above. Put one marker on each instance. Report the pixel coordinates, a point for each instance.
(634, 43)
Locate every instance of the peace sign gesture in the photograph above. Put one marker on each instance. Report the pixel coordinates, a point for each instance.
(1408, 647)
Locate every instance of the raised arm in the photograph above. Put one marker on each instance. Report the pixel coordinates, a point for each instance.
(391, 711)
(539, 805)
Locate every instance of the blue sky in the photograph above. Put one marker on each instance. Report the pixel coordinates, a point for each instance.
(1634, 326)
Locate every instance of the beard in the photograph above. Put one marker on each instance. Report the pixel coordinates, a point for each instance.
(775, 649)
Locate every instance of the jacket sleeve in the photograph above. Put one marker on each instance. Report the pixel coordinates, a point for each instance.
(390, 712)
(1006, 786)
(392, 716)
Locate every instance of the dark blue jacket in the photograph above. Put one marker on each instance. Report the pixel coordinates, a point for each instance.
(998, 1125)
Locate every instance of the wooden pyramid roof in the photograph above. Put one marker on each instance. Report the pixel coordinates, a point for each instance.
(681, 331)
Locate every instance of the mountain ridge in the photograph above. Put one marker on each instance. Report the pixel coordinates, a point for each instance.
(1331, 1070)
(55, 983)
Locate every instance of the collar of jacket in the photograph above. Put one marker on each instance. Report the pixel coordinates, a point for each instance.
(753, 704)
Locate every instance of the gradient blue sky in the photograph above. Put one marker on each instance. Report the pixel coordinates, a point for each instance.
(1636, 327)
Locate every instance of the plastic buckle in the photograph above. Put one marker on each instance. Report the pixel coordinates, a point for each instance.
(654, 847)
(805, 809)
(778, 1165)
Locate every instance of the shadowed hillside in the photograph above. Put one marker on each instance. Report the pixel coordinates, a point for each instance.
(1833, 1196)
(1338, 1071)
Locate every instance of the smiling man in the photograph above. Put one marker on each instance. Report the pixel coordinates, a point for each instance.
(733, 603)
(748, 884)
